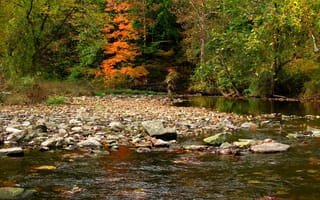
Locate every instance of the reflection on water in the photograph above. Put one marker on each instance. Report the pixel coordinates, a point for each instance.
(291, 175)
(253, 105)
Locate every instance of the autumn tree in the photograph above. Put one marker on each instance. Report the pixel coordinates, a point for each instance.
(121, 50)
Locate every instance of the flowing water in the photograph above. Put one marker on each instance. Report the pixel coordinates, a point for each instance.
(126, 174)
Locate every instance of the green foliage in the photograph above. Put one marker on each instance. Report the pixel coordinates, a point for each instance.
(48, 38)
(254, 44)
(239, 47)
(127, 92)
(56, 100)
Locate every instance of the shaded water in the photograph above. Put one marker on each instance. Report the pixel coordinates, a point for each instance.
(125, 174)
(252, 105)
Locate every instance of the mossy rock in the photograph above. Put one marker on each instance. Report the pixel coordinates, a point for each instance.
(217, 139)
(15, 193)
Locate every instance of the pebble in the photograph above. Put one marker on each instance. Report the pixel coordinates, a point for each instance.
(95, 121)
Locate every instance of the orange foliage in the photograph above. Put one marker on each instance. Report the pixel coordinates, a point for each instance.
(121, 50)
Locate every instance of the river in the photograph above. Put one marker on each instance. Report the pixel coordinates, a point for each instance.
(126, 174)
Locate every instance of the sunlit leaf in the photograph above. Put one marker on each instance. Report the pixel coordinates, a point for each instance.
(254, 181)
(312, 171)
(43, 167)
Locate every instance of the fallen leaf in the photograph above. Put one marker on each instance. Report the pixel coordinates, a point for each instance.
(253, 181)
(43, 167)
(312, 171)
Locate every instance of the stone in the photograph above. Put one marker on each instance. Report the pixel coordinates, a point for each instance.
(242, 144)
(13, 130)
(217, 139)
(26, 123)
(52, 142)
(314, 131)
(76, 129)
(90, 142)
(62, 131)
(159, 143)
(227, 124)
(143, 150)
(225, 145)
(270, 147)
(157, 130)
(15, 193)
(249, 126)
(116, 126)
(17, 135)
(315, 135)
(12, 152)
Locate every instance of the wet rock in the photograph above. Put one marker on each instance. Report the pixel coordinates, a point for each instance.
(243, 143)
(225, 151)
(9, 193)
(187, 161)
(157, 130)
(225, 145)
(195, 147)
(159, 143)
(216, 139)
(90, 142)
(12, 152)
(116, 126)
(270, 147)
(315, 135)
(143, 150)
(314, 131)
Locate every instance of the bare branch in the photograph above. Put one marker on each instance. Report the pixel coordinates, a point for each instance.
(315, 47)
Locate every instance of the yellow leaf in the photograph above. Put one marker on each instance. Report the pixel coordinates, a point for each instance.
(312, 171)
(254, 181)
(45, 167)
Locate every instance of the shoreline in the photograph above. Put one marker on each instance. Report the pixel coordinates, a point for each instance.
(30, 126)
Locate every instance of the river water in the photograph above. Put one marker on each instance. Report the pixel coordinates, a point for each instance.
(126, 174)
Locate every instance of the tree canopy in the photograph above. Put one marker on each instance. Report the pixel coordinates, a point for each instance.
(232, 48)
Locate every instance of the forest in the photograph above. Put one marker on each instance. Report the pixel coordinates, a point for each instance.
(260, 48)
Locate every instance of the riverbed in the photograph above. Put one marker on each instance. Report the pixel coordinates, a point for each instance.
(127, 174)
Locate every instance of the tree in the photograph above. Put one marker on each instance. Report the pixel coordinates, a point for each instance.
(253, 42)
(41, 37)
(121, 49)
(196, 17)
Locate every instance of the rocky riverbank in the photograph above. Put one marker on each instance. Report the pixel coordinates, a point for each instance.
(113, 120)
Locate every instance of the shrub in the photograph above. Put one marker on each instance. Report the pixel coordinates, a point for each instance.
(57, 100)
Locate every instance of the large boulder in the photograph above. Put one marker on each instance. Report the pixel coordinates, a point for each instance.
(12, 152)
(270, 147)
(157, 130)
